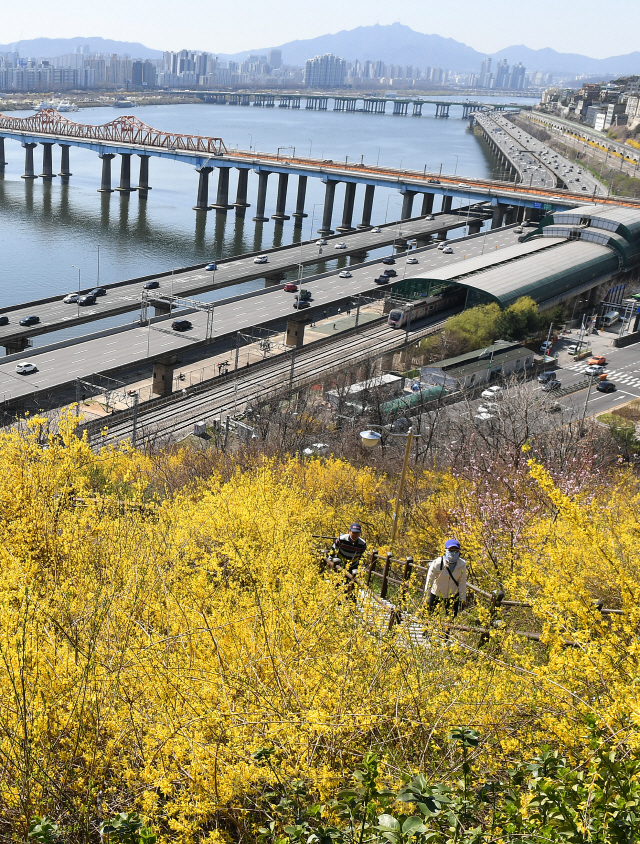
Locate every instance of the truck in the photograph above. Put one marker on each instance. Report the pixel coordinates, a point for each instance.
(610, 318)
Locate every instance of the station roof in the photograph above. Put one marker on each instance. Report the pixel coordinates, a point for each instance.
(613, 218)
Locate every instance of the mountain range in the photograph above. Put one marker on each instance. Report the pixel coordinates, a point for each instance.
(393, 44)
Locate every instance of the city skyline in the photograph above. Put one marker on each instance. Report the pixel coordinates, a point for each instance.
(489, 27)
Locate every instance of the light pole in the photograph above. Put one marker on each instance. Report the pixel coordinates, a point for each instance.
(310, 146)
(78, 299)
(584, 411)
(250, 141)
(456, 170)
(370, 439)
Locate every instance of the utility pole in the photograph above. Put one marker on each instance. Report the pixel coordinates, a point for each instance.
(134, 421)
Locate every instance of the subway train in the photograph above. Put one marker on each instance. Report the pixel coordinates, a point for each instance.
(412, 311)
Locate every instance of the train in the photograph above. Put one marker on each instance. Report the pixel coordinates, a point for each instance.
(411, 311)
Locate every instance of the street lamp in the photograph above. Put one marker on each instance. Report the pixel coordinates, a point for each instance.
(78, 300)
(310, 146)
(370, 439)
(456, 170)
(250, 141)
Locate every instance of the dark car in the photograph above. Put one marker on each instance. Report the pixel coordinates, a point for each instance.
(433, 181)
(4, 320)
(551, 385)
(301, 303)
(151, 285)
(87, 299)
(181, 325)
(382, 279)
(606, 387)
(546, 376)
(30, 320)
(390, 273)
(99, 291)
(388, 260)
(304, 296)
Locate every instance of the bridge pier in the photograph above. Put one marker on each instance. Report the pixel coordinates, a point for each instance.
(407, 204)
(29, 172)
(281, 199)
(202, 200)
(273, 279)
(222, 198)
(143, 181)
(347, 211)
(327, 213)
(263, 176)
(497, 213)
(446, 204)
(475, 226)
(64, 161)
(125, 173)
(442, 234)
(105, 184)
(367, 207)
(2, 160)
(417, 110)
(427, 204)
(241, 203)
(298, 215)
(12, 347)
(47, 161)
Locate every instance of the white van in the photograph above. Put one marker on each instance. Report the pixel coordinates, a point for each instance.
(610, 318)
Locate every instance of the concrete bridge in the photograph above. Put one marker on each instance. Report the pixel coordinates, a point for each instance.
(127, 137)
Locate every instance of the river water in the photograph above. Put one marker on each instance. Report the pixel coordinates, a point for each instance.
(47, 228)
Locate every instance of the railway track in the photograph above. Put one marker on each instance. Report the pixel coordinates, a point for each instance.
(175, 419)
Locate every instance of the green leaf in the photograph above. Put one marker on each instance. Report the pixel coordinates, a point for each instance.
(413, 826)
(388, 822)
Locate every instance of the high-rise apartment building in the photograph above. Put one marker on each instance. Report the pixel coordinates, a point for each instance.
(326, 71)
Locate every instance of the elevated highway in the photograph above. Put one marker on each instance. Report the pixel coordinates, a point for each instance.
(123, 297)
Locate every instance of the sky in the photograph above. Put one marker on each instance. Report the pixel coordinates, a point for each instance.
(589, 27)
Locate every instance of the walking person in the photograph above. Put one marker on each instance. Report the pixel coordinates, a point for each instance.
(348, 548)
(447, 579)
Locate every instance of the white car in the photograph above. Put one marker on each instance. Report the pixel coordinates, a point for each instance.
(491, 392)
(442, 245)
(488, 407)
(70, 298)
(316, 449)
(429, 217)
(594, 370)
(321, 242)
(340, 246)
(261, 259)
(26, 368)
(344, 274)
(412, 261)
(377, 230)
(482, 417)
(448, 250)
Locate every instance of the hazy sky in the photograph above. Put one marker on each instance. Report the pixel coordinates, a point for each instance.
(591, 27)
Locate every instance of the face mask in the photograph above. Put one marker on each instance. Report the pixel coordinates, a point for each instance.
(452, 556)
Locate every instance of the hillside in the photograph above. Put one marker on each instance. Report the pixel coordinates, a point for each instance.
(48, 48)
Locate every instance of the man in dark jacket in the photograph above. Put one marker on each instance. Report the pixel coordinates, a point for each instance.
(349, 547)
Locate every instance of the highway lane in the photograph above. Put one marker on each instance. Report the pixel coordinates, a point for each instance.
(231, 271)
(135, 343)
(568, 172)
(530, 172)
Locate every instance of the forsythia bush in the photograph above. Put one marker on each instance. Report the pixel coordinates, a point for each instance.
(151, 642)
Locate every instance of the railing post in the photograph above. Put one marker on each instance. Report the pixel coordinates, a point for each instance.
(406, 575)
(385, 576)
(372, 566)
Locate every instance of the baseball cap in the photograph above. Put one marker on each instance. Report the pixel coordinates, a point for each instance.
(355, 526)
(451, 543)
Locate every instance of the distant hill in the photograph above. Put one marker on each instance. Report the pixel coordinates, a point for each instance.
(49, 48)
(399, 44)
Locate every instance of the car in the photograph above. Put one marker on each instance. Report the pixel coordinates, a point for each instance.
(483, 417)
(340, 246)
(30, 320)
(290, 287)
(4, 320)
(26, 368)
(212, 267)
(597, 360)
(412, 261)
(303, 296)
(151, 285)
(447, 250)
(301, 303)
(316, 449)
(592, 371)
(606, 387)
(344, 274)
(376, 230)
(546, 376)
(71, 298)
(429, 217)
(518, 230)
(388, 260)
(321, 242)
(99, 291)
(554, 384)
(491, 392)
(442, 245)
(390, 273)
(488, 407)
(545, 348)
(433, 181)
(573, 349)
(382, 279)
(181, 325)
(87, 299)
(261, 259)
(554, 407)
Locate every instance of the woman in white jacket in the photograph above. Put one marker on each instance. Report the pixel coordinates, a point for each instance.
(447, 579)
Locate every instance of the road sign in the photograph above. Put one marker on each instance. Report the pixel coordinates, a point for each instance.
(537, 205)
(547, 206)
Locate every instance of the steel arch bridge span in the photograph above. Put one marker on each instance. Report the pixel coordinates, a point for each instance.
(125, 130)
